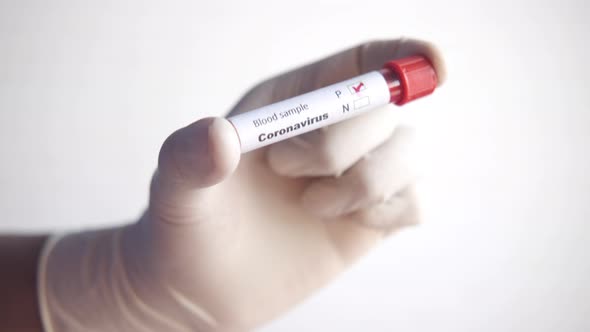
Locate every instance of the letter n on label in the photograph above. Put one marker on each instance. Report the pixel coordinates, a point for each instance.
(345, 108)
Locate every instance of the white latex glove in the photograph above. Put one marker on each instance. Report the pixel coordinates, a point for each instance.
(228, 244)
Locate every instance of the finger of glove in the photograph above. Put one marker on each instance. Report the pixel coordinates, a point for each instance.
(396, 212)
(375, 178)
(332, 150)
(358, 232)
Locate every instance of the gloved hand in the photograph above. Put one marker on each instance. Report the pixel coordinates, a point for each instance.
(228, 244)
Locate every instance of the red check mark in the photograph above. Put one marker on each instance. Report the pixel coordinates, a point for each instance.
(358, 87)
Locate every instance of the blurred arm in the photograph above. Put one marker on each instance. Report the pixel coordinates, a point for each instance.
(19, 310)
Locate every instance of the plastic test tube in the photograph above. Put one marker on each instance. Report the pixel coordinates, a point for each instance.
(398, 82)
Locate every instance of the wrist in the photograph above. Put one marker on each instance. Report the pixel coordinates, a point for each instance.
(19, 310)
(82, 284)
(101, 281)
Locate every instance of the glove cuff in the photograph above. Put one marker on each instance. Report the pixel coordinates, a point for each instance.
(85, 285)
(41, 282)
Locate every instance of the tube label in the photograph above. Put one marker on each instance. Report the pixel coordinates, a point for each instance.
(313, 110)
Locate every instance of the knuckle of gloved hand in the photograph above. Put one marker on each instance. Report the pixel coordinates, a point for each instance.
(330, 163)
(328, 158)
(388, 216)
(368, 185)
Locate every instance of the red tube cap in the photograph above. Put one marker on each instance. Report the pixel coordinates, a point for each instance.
(416, 75)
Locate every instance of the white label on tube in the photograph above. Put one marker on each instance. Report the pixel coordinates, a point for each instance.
(313, 110)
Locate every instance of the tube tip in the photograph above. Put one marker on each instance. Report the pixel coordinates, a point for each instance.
(416, 75)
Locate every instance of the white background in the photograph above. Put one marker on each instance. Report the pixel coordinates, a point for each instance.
(88, 91)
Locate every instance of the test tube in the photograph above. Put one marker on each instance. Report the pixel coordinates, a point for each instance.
(398, 82)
